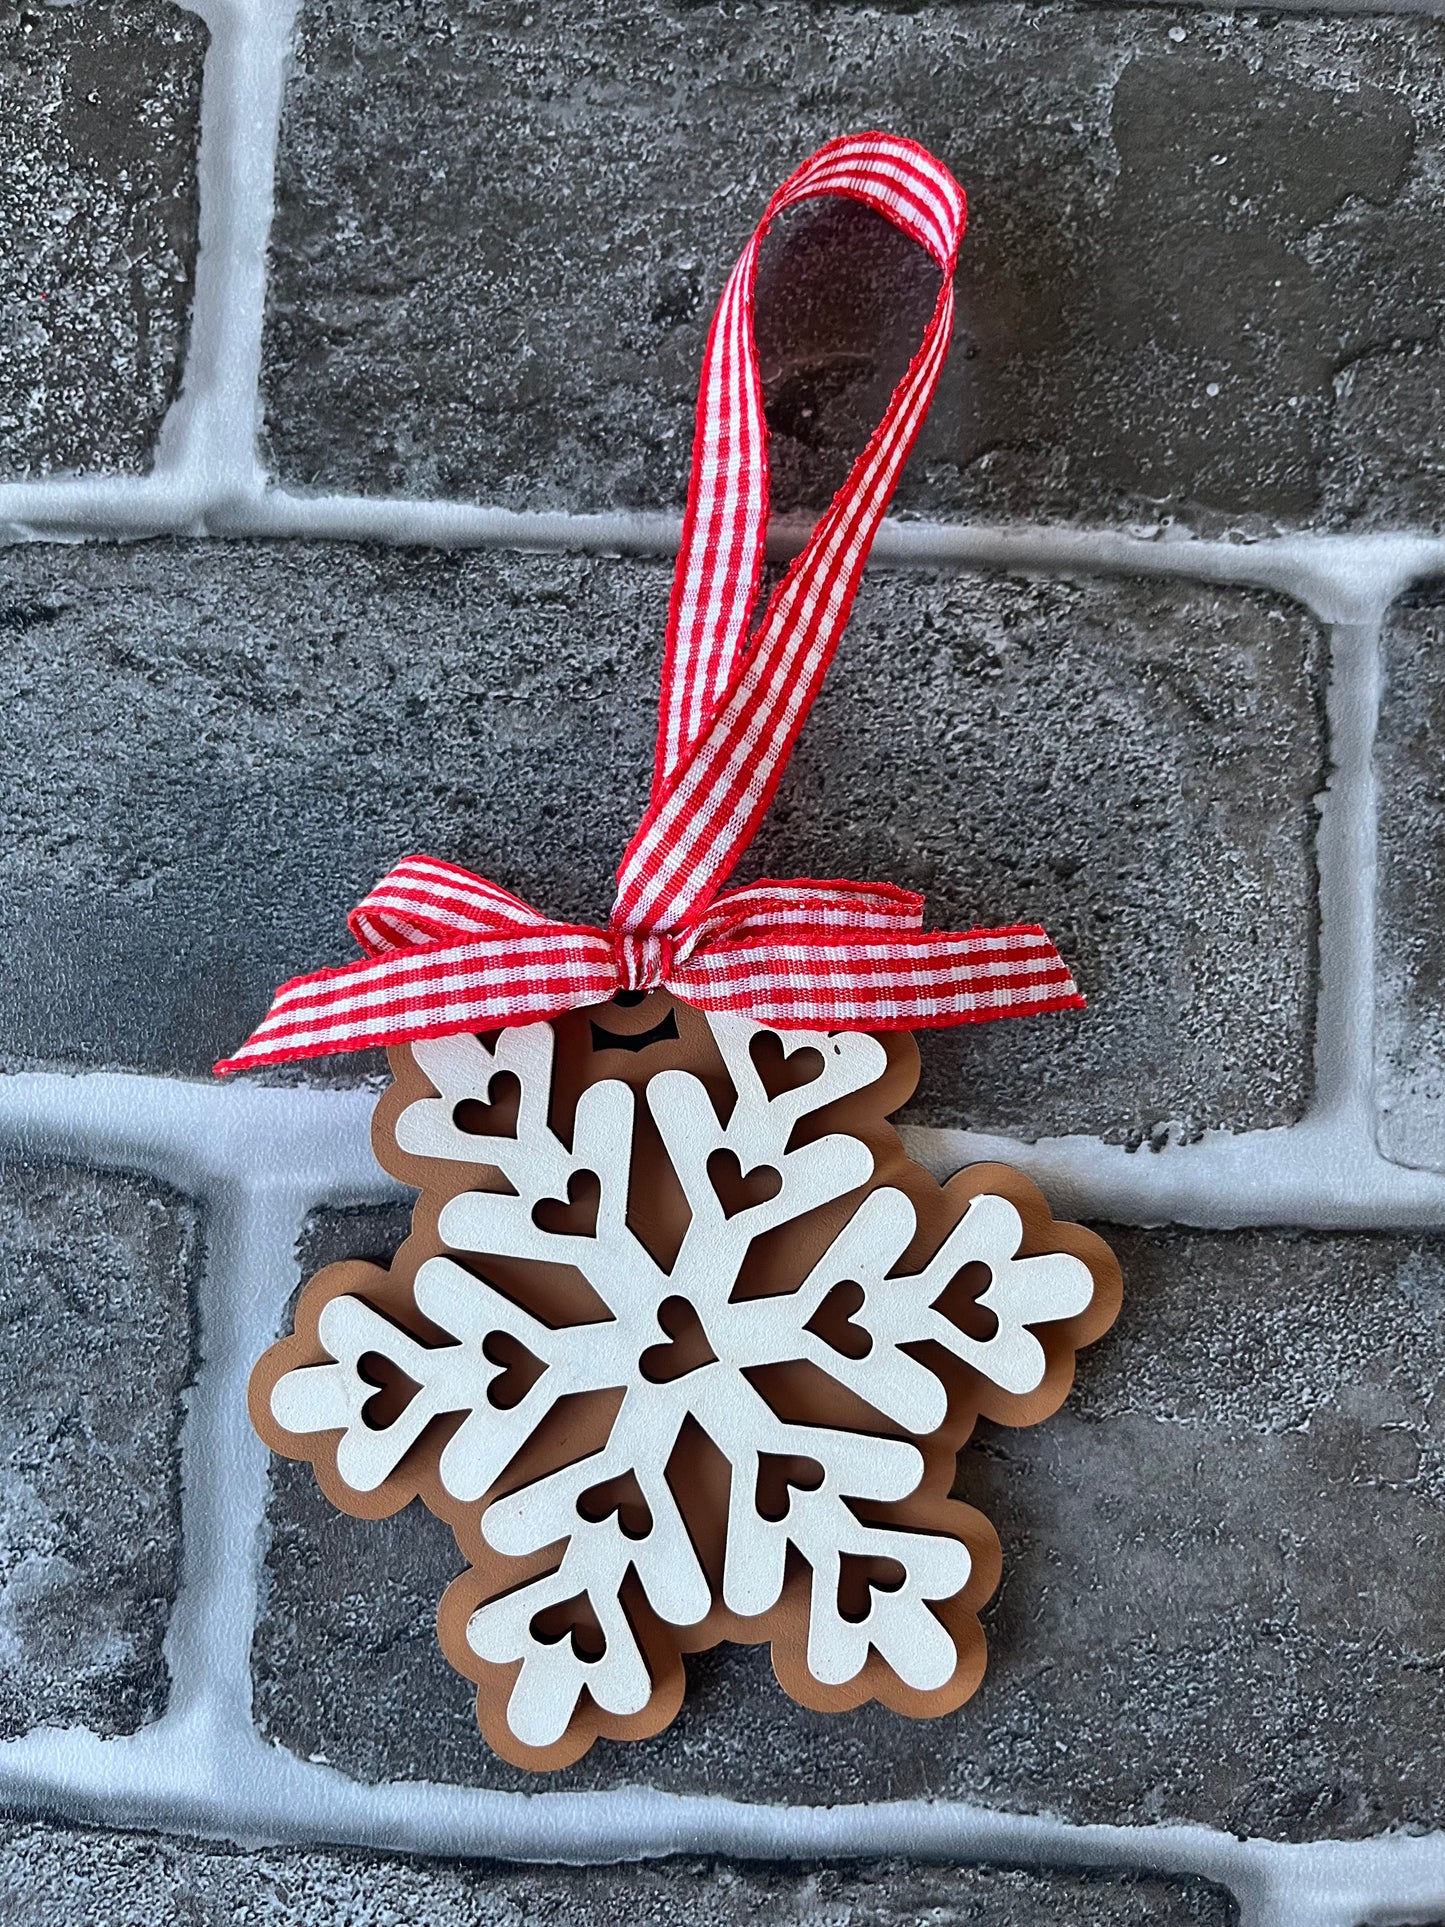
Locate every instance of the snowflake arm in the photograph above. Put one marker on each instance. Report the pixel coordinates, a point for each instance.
(863, 1253)
(554, 1674)
(1021, 1293)
(449, 1378)
(462, 1069)
(898, 1311)
(758, 1134)
(595, 1562)
(641, 1443)
(821, 1523)
(610, 1257)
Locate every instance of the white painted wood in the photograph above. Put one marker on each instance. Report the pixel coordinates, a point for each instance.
(598, 1357)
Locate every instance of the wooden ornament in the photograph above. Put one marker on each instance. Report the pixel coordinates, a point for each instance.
(682, 1347)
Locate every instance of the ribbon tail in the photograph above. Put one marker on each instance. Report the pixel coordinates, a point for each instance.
(432, 991)
(904, 981)
(803, 905)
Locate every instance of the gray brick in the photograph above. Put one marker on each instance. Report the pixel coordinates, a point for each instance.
(53, 1877)
(1410, 1018)
(96, 1270)
(1220, 1603)
(99, 123)
(501, 230)
(1131, 765)
(217, 749)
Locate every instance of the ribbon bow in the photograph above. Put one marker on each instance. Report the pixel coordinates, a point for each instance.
(448, 951)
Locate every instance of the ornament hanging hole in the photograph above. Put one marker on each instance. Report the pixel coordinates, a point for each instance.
(663, 1032)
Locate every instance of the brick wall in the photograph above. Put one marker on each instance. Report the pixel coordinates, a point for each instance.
(343, 425)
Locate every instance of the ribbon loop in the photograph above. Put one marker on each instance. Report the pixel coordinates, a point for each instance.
(424, 900)
(447, 951)
(731, 709)
(720, 559)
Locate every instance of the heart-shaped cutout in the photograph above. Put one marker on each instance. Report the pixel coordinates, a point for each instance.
(832, 1321)
(622, 1495)
(576, 1216)
(957, 1302)
(572, 1618)
(780, 1069)
(778, 1474)
(860, 1575)
(687, 1349)
(739, 1190)
(395, 1390)
(497, 1117)
(520, 1370)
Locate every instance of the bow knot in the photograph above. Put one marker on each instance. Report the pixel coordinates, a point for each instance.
(645, 958)
(449, 951)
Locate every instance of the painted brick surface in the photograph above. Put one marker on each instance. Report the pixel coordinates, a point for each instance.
(1179, 1635)
(99, 123)
(1410, 1020)
(96, 1272)
(63, 1878)
(1201, 292)
(218, 749)
(500, 232)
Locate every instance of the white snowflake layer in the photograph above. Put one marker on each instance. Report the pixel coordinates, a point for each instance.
(602, 1356)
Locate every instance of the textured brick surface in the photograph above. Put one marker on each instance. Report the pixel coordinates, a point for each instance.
(62, 1878)
(216, 750)
(99, 119)
(1410, 1020)
(501, 231)
(1132, 766)
(1220, 1604)
(95, 1351)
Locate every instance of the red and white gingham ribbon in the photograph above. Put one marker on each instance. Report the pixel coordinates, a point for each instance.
(448, 951)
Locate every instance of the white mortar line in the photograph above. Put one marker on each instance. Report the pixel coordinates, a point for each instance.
(200, 1137)
(1346, 860)
(222, 493)
(1321, 1173)
(206, 451)
(205, 457)
(250, 1268)
(245, 1791)
(1343, 578)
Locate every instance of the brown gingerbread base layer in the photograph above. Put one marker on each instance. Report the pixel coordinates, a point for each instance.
(681, 1299)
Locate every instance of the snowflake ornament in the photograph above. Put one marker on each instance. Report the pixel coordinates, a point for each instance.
(682, 1347)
